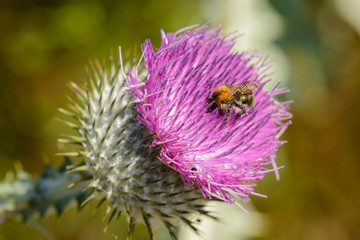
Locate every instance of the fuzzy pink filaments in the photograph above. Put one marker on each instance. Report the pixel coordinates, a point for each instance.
(222, 160)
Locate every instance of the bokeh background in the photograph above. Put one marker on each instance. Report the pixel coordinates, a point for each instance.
(316, 48)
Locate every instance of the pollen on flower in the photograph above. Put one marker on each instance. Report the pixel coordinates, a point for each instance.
(223, 160)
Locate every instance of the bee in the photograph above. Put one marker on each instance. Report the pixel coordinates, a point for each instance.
(238, 96)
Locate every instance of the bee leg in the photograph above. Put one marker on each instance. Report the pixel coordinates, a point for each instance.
(221, 112)
(228, 115)
(209, 100)
(229, 106)
(240, 110)
(237, 116)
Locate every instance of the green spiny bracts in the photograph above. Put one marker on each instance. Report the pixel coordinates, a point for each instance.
(26, 195)
(125, 169)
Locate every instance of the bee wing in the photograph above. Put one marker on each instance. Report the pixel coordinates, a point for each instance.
(244, 88)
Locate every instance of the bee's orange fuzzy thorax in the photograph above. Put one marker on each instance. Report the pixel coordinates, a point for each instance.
(223, 94)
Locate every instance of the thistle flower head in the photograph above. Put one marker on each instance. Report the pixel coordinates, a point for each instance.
(223, 160)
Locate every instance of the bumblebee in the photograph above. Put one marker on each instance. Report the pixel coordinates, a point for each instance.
(238, 96)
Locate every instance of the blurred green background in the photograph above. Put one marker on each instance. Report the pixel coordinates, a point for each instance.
(316, 48)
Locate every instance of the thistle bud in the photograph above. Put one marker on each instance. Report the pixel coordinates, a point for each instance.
(126, 171)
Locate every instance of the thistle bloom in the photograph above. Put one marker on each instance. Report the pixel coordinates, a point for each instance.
(223, 160)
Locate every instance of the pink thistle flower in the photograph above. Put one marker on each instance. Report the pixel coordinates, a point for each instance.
(223, 160)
